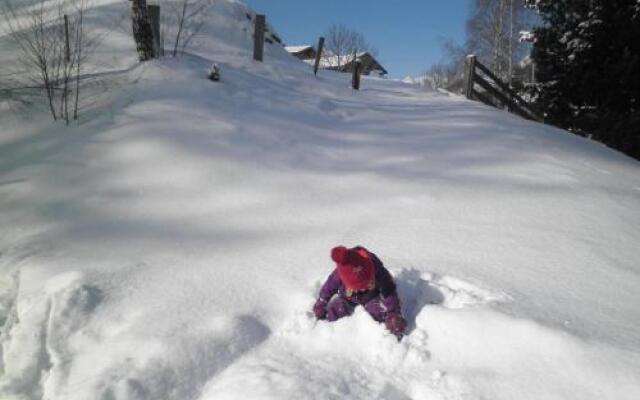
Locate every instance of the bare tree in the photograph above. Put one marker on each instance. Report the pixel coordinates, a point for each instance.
(455, 58)
(492, 33)
(449, 72)
(53, 46)
(440, 76)
(36, 32)
(341, 43)
(182, 23)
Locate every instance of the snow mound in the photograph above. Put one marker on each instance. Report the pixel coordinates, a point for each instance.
(356, 358)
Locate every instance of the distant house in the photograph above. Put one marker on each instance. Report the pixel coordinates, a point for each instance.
(370, 66)
(302, 52)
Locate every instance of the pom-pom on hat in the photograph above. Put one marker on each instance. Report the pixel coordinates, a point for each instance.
(355, 268)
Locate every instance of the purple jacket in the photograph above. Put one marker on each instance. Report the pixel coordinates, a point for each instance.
(385, 288)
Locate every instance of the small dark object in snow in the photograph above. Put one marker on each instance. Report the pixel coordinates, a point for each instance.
(214, 73)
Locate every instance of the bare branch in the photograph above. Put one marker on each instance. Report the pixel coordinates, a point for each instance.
(53, 44)
(341, 43)
(187, 16)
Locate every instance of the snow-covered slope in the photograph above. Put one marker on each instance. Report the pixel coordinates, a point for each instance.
(172, 247)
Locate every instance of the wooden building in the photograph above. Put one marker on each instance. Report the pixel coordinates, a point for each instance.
(302, 52)
(370, 66)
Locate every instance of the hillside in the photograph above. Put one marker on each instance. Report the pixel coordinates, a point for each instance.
(172, 244)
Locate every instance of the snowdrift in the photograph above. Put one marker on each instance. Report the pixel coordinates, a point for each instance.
(171, 246)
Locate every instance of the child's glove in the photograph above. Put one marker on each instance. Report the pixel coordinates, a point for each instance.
(320, 309)
(396, 324)
(391, 303)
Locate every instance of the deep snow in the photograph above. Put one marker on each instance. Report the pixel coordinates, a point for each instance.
(171, 247)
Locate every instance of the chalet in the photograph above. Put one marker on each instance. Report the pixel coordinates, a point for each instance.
(370, 66)
(302, 52)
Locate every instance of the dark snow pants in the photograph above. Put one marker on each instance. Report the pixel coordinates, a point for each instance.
(340, 307)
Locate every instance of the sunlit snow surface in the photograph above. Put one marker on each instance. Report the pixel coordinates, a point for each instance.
(172, 245)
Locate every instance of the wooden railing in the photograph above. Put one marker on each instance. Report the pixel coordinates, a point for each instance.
(494, 93)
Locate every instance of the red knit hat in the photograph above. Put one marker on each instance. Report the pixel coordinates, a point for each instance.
(355, 268)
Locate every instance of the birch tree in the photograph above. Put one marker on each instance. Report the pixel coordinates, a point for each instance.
(493, 33)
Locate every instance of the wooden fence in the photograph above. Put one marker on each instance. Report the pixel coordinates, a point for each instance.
(494, 92)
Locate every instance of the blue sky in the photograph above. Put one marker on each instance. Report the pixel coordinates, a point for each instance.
(407, 33)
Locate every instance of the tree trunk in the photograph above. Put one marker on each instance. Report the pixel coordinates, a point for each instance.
(181, 22)
(258, 39)
(142, 32)
(511, 43)
(79, 47)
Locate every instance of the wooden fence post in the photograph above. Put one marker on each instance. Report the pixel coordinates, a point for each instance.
(355, 80)
(142, 32)
(67, 48)
(318, 56)
(533, 72)
(154, 17)
(469, 72)
(258, 37)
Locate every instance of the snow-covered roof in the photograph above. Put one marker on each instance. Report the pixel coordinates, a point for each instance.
(328, 61)
(332, 61)
(297, 49)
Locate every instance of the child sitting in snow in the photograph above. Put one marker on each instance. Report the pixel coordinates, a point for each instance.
(360, 278)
